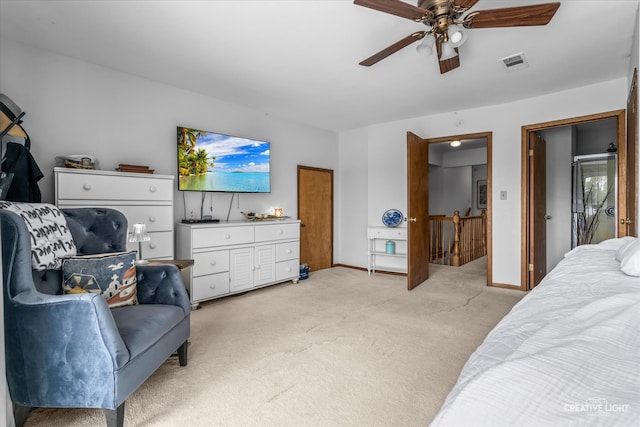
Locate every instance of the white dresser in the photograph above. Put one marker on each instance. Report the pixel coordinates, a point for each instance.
(237, 256)
(144, 198)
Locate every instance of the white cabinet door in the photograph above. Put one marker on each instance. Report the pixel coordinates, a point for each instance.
(265, 261)
(241, 269)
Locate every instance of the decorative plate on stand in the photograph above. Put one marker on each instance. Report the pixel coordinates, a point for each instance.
(392, 218)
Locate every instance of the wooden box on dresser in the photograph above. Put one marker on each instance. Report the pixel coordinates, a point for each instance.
(236, 256)
(144, 198)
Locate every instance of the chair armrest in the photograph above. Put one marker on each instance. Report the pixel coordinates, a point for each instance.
(162, 284)
(68, 327)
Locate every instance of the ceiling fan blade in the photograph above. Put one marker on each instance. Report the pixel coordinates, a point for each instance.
(394, 7)
(465, 4)
(393, 48)
(539, 14)
(448, 64)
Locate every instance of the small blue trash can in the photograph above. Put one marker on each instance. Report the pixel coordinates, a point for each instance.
(304, 271)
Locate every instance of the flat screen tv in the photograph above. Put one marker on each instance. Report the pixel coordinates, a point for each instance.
(210, 161)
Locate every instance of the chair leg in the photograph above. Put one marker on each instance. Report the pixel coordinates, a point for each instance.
(115, 417)
(20, 414)
(182, 353)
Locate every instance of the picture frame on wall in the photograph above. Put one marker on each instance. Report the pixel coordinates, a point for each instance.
(481, 194)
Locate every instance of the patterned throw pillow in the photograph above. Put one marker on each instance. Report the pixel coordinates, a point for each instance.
(112, 275)
(51, 239)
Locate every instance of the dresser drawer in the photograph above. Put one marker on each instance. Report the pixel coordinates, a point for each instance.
(160, 245)
(210, 286)
(210, 262)
(288, 269)
(265, 233)
(80, 186)
(287, 251)
(388, 233)
(156, 218)
(222, 236)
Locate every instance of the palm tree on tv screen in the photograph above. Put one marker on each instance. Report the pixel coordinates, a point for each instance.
(192, 161)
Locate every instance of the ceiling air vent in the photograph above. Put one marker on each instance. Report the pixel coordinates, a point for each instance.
(515, 62)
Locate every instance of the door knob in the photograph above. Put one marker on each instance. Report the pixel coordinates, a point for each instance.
(547, 217)
(412, 219)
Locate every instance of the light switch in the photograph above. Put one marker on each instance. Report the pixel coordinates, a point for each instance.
(503, 194)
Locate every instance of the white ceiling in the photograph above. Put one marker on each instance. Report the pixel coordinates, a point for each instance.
(298, 59)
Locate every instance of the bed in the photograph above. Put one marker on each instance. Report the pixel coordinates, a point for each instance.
(567, 354)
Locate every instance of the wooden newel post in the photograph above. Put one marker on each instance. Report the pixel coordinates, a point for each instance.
(484, 231)
(456, 239)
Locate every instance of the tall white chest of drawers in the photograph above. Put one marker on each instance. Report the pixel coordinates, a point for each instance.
(238, 256)
(144, 198)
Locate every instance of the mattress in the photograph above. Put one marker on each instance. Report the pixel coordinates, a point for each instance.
(567, 354)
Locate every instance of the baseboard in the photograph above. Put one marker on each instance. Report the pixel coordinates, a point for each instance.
(353, 267)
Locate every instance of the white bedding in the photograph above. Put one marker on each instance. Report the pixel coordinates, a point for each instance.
(567, 354)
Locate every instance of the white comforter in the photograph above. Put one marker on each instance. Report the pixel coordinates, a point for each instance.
(567, 354)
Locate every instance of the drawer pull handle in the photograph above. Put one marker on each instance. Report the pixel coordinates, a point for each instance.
(153, 188)
(227, 236)
(152, 218)
(289, 251)
(280, 231)
(213, 262)
(87, 186)
(212, 286)
(152, 245)
(289, 270)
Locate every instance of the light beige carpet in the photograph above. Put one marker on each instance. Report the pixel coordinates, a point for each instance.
(340, 349)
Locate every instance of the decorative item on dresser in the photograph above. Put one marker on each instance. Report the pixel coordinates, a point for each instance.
(138, 235)
(142, 198)
(234, 257)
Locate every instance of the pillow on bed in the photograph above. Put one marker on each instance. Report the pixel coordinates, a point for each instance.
(630, 263)
(623, 248)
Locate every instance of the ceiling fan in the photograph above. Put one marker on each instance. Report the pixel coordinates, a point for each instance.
(446, 28)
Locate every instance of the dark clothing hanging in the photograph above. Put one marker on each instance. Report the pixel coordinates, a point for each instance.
(26, 174)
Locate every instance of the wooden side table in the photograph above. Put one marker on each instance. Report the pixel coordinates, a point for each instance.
(182, 264)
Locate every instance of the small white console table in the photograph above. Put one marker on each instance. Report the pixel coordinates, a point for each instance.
(379, 258)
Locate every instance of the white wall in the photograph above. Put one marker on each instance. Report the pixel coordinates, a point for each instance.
(386, 145)
(73, 107)
(458, 185)
(437, 195)
(352, 212)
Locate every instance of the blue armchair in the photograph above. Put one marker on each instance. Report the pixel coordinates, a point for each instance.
(73, 351)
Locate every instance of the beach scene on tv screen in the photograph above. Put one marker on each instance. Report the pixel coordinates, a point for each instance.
(209, 161)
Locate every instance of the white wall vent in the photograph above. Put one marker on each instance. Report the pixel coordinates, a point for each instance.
(515, 62)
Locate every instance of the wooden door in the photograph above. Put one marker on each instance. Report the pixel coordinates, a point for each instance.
(630, 227)
(315, 211)
(418, 210)
(537, 209)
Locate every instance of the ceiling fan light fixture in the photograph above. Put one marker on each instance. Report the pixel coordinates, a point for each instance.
(455, 143)
(447, 51)
(457, 35)
(426, 47)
